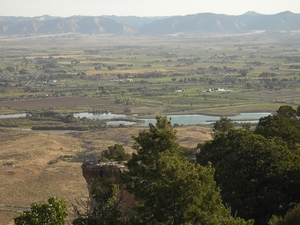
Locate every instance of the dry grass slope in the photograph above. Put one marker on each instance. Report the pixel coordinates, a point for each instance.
(26, 175)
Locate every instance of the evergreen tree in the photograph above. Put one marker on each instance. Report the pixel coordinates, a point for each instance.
(287, 111)
(223, 125)
(292, 217)
(116, 153)
(103, 209)
(257, 175)
(53, 213)
(168, 188)
(287, 128)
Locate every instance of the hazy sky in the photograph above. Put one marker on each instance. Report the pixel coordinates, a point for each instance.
(66, 8)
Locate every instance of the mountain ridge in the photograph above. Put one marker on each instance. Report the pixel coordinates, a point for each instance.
(133, 25)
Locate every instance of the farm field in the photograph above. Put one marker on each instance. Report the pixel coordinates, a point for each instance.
(170, 74)
(62, 102)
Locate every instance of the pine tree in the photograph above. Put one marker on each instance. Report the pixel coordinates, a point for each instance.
(168, 188)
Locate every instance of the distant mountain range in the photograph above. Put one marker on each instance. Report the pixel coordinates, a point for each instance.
(131, 25)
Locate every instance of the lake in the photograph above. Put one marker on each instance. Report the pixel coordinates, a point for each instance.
(204, 119)
(175, 119)
(100, 116)
(12, 116)
(118, 122)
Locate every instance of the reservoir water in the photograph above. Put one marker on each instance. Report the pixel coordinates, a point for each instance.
(204, 119)
(192, 119)
(12, 116)
(100, 116)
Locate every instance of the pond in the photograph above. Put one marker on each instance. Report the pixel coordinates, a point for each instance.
(204, 119)
(100, 116)
(13, 116)
(120, 122)
(175, 119)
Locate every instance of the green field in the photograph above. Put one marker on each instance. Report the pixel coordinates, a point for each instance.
(219, 74)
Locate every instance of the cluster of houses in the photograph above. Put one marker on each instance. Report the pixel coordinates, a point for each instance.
(216, 90)
(123, 80)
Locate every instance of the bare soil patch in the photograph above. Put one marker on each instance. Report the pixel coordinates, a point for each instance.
(60, 102)
(6, 217)
(11, 174)
(25, 174)
(274, 95)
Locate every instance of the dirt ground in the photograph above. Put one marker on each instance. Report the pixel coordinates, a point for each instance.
(61, 102)
(26, 176)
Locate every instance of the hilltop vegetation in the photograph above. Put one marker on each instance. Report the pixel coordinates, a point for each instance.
(256, 170)
(241, 176)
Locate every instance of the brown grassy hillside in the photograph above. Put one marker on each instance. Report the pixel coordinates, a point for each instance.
(34, 166)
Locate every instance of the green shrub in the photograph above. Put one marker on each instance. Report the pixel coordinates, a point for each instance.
(292, 217)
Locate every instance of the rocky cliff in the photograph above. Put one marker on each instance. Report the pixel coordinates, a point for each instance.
(109, 171)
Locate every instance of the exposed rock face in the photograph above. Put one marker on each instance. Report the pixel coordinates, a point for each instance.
(59, 25)
(109, 171)
(91, 170)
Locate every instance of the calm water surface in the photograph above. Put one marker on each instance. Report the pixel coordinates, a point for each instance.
(175, 119)
(101, 116)
(204, 119)
(117, 123)
(13, 116)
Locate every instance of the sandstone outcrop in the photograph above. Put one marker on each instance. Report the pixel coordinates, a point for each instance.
(109, 171)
